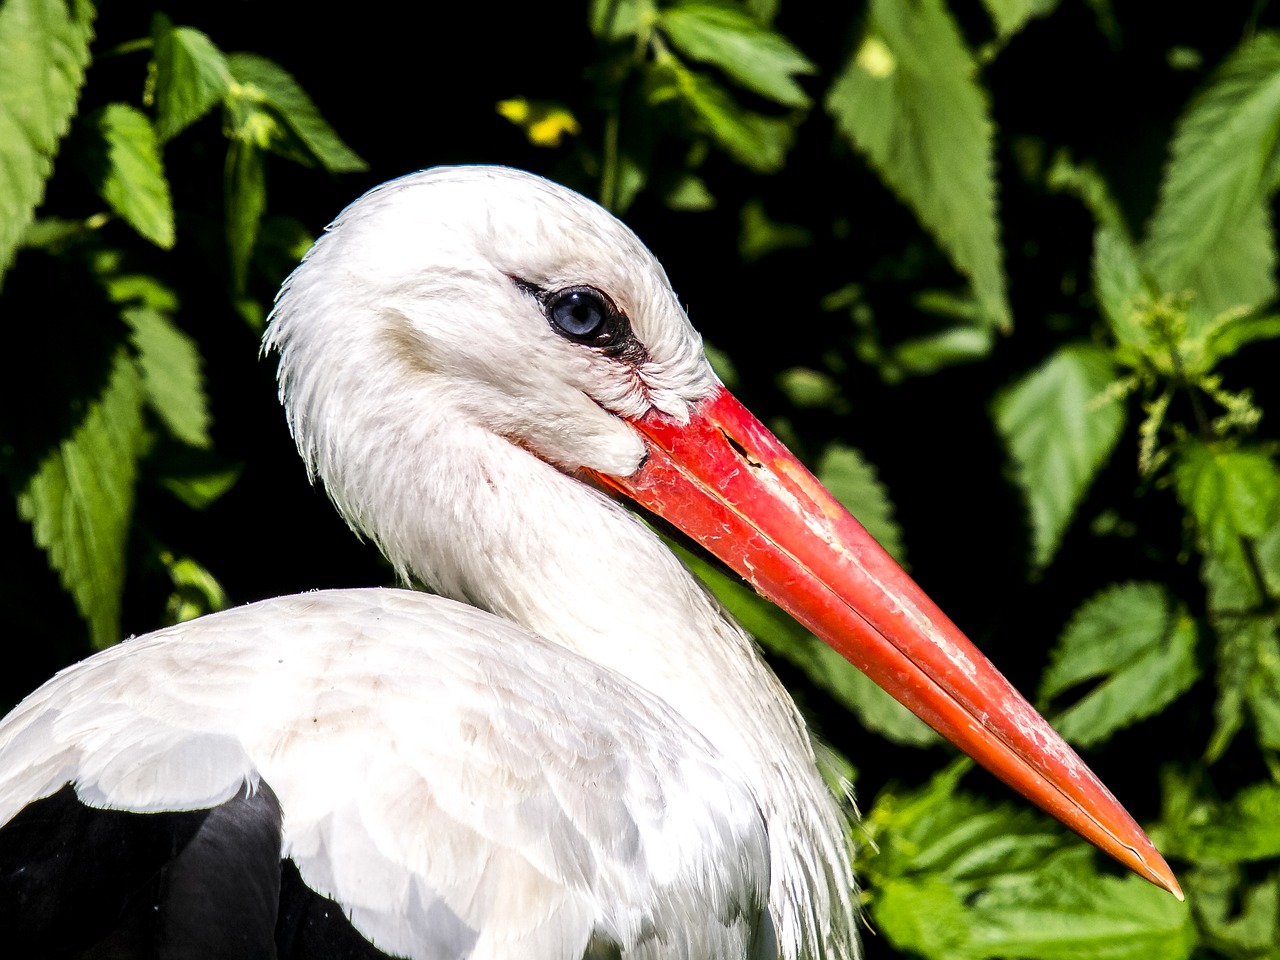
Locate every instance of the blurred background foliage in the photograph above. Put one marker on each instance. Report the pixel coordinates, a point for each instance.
(1003, 272)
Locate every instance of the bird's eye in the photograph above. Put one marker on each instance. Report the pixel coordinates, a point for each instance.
(583, 314)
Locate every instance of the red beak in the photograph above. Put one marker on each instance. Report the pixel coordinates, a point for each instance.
(730, 484)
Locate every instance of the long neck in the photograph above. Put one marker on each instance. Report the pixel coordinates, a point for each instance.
(512, 535)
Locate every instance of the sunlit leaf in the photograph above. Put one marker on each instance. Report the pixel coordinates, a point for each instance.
(171, 374)
(728, 38)
(688, 192)
(1240, 920)
(128, 172)
(1059, 435)
(1140, 649)
(1027, 889)
(191, 76)
(246, 199)
(80, 500)
(1118, 283)
(618, 19)
(753, 139)
(275, 87)
(909, 100)
(759, 235)
(200, 490)
(195, 590)
(44, 49)
(1209, 232)
(1012, 15)
(1244, 829)
(809, 389)
(1228, 338)
(921, 356)
(1234, 497)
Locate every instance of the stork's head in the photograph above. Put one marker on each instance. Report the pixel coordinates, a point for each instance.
(509, 300)
(517, 308)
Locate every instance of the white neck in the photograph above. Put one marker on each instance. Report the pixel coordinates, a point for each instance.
(508, 533)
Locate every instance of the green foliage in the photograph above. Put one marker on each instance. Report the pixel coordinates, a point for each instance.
(1130, 406)
(909, 100)
(1060, 427)
(80, 499)
(75, 473)
(1140, 650)
(44, 46)
(958, 876)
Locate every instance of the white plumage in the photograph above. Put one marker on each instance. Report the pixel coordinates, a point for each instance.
(590, 758)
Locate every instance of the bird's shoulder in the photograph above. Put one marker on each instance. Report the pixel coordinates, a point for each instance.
(431, 761)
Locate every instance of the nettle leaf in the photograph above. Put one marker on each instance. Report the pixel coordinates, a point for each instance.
(276, 87)
(1242, 830)
(1010, 16)
(245, 192)
(909, 101)
(128, 173)
(1234, 497)
(1028, 890)
(195, 590)
(1235, 332)
(1070, 910)
(1210, 232)
(1240, 920)
(191, 76)
(728, 38)
(1248, 678)
(920, 356)
(80, 500)
(1132, 639)
(1118, 283)
(1059, 436)
(170, 363)
(847, 474)
(782, 636)
(44, 47)
(757, 142)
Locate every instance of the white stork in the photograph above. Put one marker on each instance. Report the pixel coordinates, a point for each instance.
(571, 751)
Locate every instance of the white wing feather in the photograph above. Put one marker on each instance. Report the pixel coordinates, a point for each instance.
(462, 787)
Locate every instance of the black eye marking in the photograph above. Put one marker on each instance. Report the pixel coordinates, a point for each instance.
(587, 315)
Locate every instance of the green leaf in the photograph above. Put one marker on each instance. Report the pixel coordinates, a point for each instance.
(615, 20)
(1058, 435)
(1210, 232)
(195, 590)
(191, 76)
(267, 83)
(758, 235)
(853, 481)
(875, 709)
(1142, 650)
(1027, 889)
(80, 500)
(1010, 16)
(809, 389)
(170, 364)
(246, 199)
(1118, 283)
(921, 356)
(909, 101)
(1237, 922)
(1235, 332)
(199, 490)
(728, 38)
(1234, 497)
(128, 172)
(1243, 830)
(44, 49)
(1248, 659)
(757, 142)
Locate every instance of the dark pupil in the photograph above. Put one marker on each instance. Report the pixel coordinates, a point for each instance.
(578, 314)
